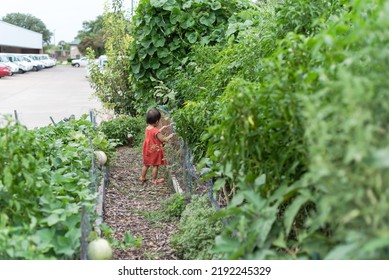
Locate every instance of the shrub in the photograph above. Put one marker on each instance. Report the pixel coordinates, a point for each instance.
(174, 205)
(348, 134)
(119, 128)
(197, 230)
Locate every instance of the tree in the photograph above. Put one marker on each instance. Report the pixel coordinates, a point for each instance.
(92, 36)
(113, 86)
(62, 45)
(29, 22)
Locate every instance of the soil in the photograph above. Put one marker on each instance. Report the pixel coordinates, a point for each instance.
(129, 204)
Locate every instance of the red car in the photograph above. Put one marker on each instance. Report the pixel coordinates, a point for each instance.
(5, 70)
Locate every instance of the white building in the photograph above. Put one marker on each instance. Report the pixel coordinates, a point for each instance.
(14, 39)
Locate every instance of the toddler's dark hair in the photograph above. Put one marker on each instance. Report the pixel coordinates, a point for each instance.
(152, 116)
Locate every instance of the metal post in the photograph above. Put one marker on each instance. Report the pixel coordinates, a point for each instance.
(84, 234)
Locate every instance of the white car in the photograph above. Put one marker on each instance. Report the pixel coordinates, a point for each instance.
(23, 65)
(36, 61)
(4, 59)
(83, 61)
(36, 64)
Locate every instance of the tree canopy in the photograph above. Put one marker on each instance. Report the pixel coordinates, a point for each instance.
(29, 22)
(92, 36)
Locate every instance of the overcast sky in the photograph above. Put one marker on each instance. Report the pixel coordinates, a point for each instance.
(64, 18)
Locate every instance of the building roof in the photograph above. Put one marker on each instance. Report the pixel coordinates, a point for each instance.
(75, 42)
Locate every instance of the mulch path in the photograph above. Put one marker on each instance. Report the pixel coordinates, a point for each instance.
(127, 206)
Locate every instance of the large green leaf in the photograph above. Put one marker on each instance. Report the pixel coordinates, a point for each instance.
(158, 3)
(187, 21)
(215, 5)
(158, 40)
(151, 50)
(167, 60)
(135, 68)
(175, 15)
(170, 5)
(292, 211)
(146, 43)
(208, 19)
(191, 36)
(187, 4)
(154, 63)
(163, 52)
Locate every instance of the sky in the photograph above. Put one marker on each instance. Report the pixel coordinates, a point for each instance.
(63, 18)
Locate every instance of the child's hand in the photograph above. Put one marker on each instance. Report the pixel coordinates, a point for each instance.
(170, 136)
(164, 127)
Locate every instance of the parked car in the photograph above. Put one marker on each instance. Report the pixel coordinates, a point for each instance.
(23, 65)
(83, 61)
(4, 59)
(101, 62)
(36, 64)
(5, 70)
(46, 60)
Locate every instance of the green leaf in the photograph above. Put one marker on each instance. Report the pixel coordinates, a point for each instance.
(237, 200)
(158, 40)
(146, 43)
(43, 238)
(228, 245)
(216, 5)
(151, 50)
(131, 241)
(158, 3)
(260, 181)
(232, 28)
(135, 68)
(187, 4)
(192, 37)
(64, 246)
(52, 219)
(187, 21)
(204, 40)
(342, 252)
(375, 244)
(175, 15)
(208, 20)
(167, 60)
(163, 52)
(161, 73)
(154, 64)
(381, 158)
(219, 184)
(292, 211)
(170, 5)
(8, 178)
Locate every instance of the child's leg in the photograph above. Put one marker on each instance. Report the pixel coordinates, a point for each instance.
(155, 172)
(144, 172)
(155, 176)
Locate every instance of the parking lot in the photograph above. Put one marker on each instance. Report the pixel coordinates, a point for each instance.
(56, 92)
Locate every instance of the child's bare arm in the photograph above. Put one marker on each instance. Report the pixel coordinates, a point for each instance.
(163, 138)
(163, 128)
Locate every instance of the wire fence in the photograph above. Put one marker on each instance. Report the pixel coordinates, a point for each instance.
(182, 167)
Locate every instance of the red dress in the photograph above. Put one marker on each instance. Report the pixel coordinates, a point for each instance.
(153, 153)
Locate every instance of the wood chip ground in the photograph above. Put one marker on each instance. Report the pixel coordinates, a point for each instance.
(127, 206)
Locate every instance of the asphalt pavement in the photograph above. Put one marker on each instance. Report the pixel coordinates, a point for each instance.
(56, 92)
